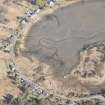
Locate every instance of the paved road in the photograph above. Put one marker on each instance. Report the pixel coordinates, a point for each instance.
(58, 38)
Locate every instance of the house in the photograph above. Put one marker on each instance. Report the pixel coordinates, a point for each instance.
(32, 2)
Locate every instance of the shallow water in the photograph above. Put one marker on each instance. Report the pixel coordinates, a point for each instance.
(57, 38)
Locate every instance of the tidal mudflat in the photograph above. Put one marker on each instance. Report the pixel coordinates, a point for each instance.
(58, 38)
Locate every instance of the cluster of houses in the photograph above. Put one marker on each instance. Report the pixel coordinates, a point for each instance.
(34, 90)
(29, 14)
(50, 2)
(22, 21)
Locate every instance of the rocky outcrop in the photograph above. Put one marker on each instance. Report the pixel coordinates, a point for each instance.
(92, 62)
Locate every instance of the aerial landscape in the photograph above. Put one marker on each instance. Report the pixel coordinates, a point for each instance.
(52, 52)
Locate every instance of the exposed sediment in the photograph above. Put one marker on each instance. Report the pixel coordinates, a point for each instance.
(79, 82)
(57, 41)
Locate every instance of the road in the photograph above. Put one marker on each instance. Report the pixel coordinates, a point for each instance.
(58, 37)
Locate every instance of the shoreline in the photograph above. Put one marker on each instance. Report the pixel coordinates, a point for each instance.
(39, 16)
(79, 45)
